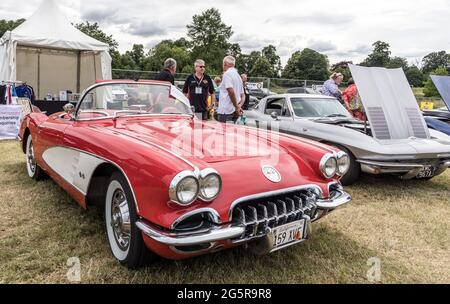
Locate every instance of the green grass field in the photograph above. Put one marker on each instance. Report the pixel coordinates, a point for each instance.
(404, 224)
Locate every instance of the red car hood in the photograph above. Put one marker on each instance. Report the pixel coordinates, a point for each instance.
(196, 140)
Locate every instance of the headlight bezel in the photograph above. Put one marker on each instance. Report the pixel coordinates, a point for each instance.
(204, 174)
(176, 182)
(323, 163)
(339, 156)
(200, 178)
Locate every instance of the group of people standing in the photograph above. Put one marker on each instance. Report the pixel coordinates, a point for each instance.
(231, 96)
(349, 97)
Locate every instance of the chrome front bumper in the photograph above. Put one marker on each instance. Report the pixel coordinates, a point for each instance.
(223, 232)
(408, 170)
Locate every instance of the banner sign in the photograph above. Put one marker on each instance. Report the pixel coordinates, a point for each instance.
(255, 85)
(10, 117)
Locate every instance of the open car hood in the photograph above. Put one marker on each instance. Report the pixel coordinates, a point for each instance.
(390, 105)
(442, 84)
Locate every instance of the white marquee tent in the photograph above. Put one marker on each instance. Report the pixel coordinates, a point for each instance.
(50, 54)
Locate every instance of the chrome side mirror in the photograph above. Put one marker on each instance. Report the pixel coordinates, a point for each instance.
(69, 108)
(274, 115)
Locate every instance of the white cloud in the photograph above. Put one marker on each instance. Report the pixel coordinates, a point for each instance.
(343, 30)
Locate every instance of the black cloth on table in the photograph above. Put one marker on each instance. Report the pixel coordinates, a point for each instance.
(2, 94)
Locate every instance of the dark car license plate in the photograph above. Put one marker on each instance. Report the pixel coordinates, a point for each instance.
(426, 172)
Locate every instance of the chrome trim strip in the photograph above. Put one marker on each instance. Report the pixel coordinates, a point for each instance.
(389, 164)
(174, 239)
(214, 213)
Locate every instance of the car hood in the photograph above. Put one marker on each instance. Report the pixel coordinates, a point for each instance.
(195, 140)
(442, 84)
(390, 105)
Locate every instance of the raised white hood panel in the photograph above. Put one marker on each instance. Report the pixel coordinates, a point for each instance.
(390, 105)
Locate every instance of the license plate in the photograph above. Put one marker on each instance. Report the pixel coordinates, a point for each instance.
(426, 172)
(288, 233)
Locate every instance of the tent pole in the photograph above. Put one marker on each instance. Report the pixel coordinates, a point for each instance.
(78, 71)
(39, 75)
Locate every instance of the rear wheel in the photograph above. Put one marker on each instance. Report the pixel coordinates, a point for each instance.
(125, 239)
(33, 169)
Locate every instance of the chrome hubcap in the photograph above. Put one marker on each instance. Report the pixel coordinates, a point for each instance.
(120, 219)
(30, 158)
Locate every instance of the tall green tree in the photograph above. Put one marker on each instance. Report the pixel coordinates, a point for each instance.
(246, 62)
(168, 49)
(9, 25)
(209, 37)
(262, 68)
(415, 76)
(435, 60)
(307, 64)
(137, 53)
(380, 55)
(430, 89)
(270, 53)
(398, 62)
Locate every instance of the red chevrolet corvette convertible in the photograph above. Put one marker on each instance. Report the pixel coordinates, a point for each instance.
(175, 186)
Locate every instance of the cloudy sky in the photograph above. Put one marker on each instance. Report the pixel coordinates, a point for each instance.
(343, 30)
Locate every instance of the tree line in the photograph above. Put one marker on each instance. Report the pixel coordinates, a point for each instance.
(208, 38)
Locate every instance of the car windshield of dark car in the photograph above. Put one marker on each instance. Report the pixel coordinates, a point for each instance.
(119, 99)
(318, 107)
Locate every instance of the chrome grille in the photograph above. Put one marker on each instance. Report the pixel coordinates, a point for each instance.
(260, 215)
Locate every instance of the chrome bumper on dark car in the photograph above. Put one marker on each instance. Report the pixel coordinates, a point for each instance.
(253, 218)
(408, 170)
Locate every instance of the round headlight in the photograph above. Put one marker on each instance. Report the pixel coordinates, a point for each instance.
(184, 188)
(328, 165)
(343, 163)
(210, 185)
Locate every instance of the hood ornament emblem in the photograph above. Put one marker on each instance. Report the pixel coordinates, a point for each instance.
(271, 174)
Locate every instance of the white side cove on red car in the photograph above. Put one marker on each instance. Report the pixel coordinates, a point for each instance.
(74, 166)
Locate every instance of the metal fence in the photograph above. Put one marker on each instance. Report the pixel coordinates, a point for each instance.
(277, 85)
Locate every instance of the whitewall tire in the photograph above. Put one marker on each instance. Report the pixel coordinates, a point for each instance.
(125, 239)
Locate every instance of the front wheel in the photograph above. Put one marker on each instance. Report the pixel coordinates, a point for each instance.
(33, 169)
(125, 239)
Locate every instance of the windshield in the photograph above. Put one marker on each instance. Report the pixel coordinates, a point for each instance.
(318, 107)
(118, 99)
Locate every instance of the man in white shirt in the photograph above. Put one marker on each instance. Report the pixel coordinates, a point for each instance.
(231, 92)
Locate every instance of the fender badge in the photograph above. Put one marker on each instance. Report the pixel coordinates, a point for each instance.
(271, 174)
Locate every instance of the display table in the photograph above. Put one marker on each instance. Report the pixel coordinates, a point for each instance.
(51, 107)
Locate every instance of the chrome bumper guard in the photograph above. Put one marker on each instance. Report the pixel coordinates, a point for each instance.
(410, 170)
(193, 238)
(225, 232)
(338, 199)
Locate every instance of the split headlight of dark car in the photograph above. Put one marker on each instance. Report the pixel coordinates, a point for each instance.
(187, 186)
(333, 164)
